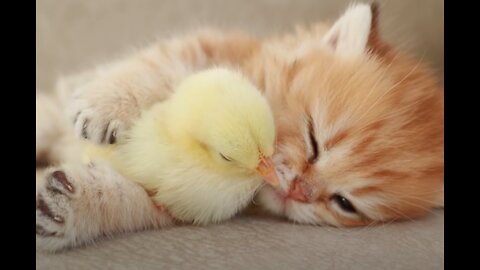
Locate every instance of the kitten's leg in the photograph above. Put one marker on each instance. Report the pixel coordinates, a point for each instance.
(77, 203)
(50, 128)
(55, 141)
(103, 107)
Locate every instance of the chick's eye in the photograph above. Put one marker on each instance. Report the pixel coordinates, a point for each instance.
(345, 204)
(225, 157)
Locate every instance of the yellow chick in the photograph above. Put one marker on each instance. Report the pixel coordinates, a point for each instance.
(204, 151)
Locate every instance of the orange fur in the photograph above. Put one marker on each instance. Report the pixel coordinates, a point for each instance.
(378, 117)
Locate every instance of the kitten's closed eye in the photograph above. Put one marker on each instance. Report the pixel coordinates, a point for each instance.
(313, 143)
(344, 203)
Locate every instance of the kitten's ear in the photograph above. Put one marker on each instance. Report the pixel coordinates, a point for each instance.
(350, 34)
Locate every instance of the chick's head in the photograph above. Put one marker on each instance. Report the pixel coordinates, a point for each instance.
(225, 122)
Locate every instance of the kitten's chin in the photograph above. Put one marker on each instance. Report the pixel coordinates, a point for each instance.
(272, 200)
(277, 203)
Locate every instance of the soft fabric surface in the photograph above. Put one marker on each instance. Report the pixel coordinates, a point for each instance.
(74, 35)
(254, 242)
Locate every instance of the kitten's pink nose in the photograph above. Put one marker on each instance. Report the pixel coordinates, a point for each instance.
(298, 190)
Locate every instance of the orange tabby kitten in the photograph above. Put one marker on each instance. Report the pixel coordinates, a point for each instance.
(360, 129)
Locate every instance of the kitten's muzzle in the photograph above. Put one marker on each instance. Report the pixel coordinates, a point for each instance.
(301, 191)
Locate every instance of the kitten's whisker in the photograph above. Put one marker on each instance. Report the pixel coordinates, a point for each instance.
(391, 221)
(423, 193)
(398, 212)
(378, 225)
(414, 197)
(387, 68)
(257, 191)
(418, 206)
(370, 227)
(397, 113)
(391, 88)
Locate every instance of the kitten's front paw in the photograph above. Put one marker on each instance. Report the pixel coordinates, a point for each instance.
(93, 125)
(54, 215)
(101, 113)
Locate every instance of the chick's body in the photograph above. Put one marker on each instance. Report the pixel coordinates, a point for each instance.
(199, 150)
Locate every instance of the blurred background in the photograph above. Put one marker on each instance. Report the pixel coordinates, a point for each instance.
(72, 35)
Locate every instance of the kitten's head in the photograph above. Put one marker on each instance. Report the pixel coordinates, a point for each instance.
(360, 127)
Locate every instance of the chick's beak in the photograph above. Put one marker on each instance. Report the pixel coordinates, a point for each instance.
(266, 169)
